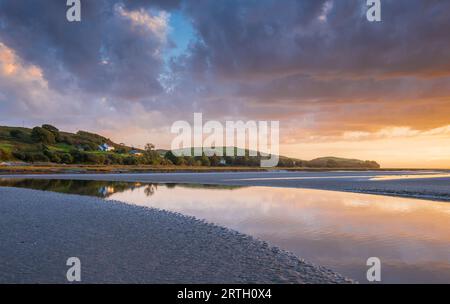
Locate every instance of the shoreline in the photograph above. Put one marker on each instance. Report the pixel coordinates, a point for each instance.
(429, 188)
(120, 243)
(148, 169)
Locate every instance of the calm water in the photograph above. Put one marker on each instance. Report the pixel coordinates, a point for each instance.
(335, 229)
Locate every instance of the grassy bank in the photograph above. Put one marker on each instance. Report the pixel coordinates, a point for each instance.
(49, 169)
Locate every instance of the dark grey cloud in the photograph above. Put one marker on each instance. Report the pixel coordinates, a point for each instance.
(267, 59)
(162, 4)
(103, 54)
(322, 58)
(267, 38)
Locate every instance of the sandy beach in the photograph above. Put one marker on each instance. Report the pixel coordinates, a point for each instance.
(119, 243)
(122, 243)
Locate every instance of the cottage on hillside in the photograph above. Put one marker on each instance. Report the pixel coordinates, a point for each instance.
(105, 147)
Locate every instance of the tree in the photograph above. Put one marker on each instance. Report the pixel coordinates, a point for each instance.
(214, 160)
(190, 161)
(205, 160)
(42, 135)
(66, 158)
(149, 147)
(50, 128)
(54, 131)
(150, 155)
(170, 156)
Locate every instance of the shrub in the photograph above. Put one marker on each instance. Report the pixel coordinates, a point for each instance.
(59, 138)
(19, 134)
(33, 157)
(286, 162)
(78, 156)
(90, 146)
(214, 160)
(20, 155)
(5, 154)
(91, 137)
(114, 159)
(181, 161)
(97, 159)
(39, 157)
(130, 161)
(52, 156)
(66, 158)
(205, 161)
(166, 162)
(67, 140)
(190, 161)
(55, 158)
(121, 150)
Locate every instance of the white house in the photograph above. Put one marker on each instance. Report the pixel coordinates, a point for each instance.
(105, 148)
(106, 191)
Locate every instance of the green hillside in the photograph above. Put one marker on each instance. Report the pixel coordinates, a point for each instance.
(47, 144)
(336, 162)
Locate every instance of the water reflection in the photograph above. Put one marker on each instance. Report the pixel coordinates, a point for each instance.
(409, 176)
(101, 189)
(335, 229)
(92, 188)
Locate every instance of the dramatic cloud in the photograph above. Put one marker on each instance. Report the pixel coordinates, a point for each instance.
(270, 38)
(113, 50)
(318, 66)
(22, 87)
(322, 65)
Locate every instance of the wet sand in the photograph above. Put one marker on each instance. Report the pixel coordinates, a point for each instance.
(120, 243)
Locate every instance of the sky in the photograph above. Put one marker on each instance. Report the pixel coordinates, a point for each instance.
(339, 84)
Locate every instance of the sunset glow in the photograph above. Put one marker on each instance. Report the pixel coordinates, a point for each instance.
(339, 84)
